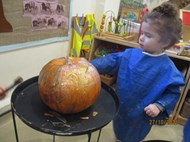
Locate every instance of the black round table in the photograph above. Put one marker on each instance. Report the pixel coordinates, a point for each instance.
(28, 106)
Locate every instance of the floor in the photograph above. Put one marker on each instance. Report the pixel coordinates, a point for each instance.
(26, 134)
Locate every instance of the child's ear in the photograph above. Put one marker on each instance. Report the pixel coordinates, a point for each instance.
(166, 43)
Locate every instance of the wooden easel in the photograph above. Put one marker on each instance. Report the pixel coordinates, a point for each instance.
(5, 26)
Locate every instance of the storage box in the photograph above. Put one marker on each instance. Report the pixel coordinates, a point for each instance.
(96, 53)
(105, 49)
(109, 80)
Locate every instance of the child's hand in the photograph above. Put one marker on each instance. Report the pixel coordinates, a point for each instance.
(2, 92)
(152, 110)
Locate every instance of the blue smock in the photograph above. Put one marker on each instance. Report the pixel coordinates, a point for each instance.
(142, 79)
(186, 131)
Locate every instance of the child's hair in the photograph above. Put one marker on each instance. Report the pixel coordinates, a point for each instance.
(166, 19)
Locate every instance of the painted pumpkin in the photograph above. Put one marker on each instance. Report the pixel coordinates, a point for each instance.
(69, 85)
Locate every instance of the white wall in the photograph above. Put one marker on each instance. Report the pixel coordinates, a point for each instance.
(153, 3)
(102, 6)
(27, 62)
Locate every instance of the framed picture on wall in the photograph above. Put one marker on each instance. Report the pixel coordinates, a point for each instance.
(131, 13)
(130, 10)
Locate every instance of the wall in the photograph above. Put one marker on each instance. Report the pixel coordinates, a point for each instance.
(28, 62)
(153, 3)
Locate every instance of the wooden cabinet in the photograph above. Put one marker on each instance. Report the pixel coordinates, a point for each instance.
(182, 62)
(184, 91)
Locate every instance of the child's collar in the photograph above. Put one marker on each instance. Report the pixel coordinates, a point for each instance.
(154, 55)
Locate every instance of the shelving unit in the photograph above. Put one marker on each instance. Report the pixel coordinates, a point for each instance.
(177, 117)
(98, 40)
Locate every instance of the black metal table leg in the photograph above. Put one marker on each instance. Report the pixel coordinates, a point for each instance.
(15, 127)
(53, 138)
(99, 135)
(89, 136)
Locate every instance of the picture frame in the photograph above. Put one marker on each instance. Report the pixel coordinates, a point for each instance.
(131, 13)
(130, 10)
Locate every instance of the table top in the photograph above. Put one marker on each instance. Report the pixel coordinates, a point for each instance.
(28, 106)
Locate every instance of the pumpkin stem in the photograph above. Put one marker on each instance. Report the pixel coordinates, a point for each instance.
(69, 61)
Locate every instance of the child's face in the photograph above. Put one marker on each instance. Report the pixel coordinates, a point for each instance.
(149, 39)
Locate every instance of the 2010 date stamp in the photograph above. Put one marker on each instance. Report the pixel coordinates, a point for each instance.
(162, 122)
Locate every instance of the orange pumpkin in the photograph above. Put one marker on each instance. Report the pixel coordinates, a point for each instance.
(69, 85)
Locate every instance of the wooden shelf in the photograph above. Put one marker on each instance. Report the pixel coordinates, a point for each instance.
(185, 58)
(181, 101)
(118, 40)
(180, 120)
(99, 39)
(133, 43)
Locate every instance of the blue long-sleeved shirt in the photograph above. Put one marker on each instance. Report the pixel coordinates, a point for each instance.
(142, 79)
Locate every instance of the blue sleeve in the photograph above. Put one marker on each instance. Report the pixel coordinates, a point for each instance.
(108, 64)
(170, 98)
(172, 93)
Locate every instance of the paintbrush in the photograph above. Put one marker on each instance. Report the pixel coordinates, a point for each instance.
(17, 81)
